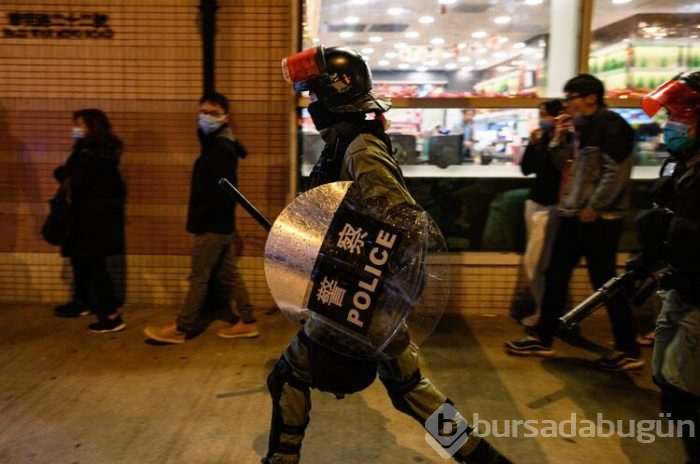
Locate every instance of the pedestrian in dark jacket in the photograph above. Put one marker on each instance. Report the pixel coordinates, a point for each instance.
(93, 187)
(211, 219)
(540, 220)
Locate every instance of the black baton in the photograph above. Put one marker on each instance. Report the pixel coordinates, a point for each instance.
(234, 193)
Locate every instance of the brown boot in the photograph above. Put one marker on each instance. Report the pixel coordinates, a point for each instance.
(167, 333)
(240, 330)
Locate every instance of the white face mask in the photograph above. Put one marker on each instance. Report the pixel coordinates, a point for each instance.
(209, 123)
(77, 133)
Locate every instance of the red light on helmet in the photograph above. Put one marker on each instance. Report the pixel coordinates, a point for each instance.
(301, 68)
(681, 101)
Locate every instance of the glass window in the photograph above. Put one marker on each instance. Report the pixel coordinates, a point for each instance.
(637, 45)
(419, 48)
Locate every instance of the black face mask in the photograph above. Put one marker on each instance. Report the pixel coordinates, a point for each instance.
(323, 117)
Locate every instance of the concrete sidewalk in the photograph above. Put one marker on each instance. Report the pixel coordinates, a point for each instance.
(71, 396)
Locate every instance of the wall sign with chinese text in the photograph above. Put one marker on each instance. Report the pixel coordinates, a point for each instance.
(36, 25)
(349, 274)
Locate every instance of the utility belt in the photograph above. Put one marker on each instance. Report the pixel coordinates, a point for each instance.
(685, 283)
(337, 373)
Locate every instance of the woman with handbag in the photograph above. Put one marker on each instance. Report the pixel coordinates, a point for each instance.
(95, 194)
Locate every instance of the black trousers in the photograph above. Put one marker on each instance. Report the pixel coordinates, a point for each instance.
(597, 241)
(94, 285)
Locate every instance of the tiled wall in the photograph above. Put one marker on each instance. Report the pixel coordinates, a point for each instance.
(147, 78)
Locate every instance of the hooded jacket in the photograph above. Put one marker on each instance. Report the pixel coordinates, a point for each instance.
(210, 209)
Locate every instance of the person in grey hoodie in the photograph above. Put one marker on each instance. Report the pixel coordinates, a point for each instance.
(597, 144)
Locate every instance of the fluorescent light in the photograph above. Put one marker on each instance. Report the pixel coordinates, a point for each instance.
(383, 62)
(479, 34)
(367, 50)
(446, 2)
(412, 34)
(501, 19)
(497, 54)
(399, 45)
(431, 63)
(426, 19)
(447, 54)
(352, 20)
(391, 54)
(533, 2)
(502, 40)
(395, 11)
(464, 59)
(503, 68)
(450, 66)
(482, 63)
(421, 69)
(519, 45)
(360, 2)
(467, 68)
(517, 62)
(482, 50)
(375, 39)
(437, 41)
(528, 51)
(404, 66)
(461, 45)
(620, 2)
(346, 34)
(316, 40)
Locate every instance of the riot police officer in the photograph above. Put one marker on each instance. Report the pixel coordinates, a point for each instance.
(670, 236)
(358, 150)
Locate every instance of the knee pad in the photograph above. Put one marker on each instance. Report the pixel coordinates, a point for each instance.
(280, 375)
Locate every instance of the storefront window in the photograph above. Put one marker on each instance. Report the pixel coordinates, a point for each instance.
(445, 48)
(637, 45)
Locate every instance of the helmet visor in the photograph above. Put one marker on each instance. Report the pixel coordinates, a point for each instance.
(302, 68)
(681, 101)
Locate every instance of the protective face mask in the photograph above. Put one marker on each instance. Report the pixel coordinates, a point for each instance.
(209, 123)
(546, 125)
(677, 139)
(77, 133)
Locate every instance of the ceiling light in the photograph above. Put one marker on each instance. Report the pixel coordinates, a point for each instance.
(316, 40)
(517, 62)
(501, 19)
(467, 69)
(495, 55)
(481, 63)
(464, 59)
(383, 62)
(461, 46)
(403, 66)
(431, 63)
(395, 11)
(375, 39)
(479, 34)
(352, 20)
(437, 41)
(533, 2)
(502, 40)
(528, 51)
(360, 2)
(367, 50)
(446, 2)
(426, 19)
(620, 2)
(447, 54)
(519, 45)
(450, 66)
(482, 50)
(391, 54)
(346, 34)
(365, 57)
(503, 68)
(412, 34)
(399, 45)
(421, 69)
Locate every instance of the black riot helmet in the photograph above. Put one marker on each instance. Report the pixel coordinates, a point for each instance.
(338, 76)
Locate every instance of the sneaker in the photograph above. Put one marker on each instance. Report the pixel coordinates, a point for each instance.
(107, 325)
(167, 333)
(71, 309)
(240, 330)
(529, 346)
(619, 361)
